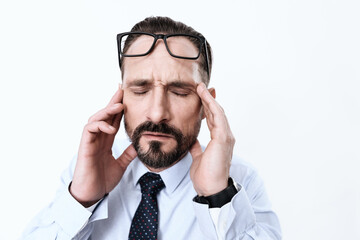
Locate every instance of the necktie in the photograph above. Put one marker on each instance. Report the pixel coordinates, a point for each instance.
(145, 222)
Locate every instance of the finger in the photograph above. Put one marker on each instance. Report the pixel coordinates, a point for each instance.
(127, 156)
(107, 113)
(208, 115)
(207, 112)
(196, 150)
(208, 101)
(214, 113)
(116, 121)
(100, 126)
(117, 98)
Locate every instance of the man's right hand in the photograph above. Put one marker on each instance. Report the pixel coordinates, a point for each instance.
(97, 172)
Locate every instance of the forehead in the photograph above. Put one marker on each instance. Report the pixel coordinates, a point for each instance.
(159, 65)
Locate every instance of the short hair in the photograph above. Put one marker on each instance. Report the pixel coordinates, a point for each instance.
(166, 25)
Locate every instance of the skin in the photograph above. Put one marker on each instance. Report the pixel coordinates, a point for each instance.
(157, 88)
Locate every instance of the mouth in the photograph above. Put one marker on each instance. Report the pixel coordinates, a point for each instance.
(157, 136)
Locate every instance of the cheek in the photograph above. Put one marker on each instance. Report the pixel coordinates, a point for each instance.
(132, 105)
(189, 106)
(187, 114)
(127, 106)
(132, 112)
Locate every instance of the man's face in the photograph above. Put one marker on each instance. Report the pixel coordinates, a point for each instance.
(162, 109)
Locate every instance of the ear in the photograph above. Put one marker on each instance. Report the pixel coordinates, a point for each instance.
(213, 94)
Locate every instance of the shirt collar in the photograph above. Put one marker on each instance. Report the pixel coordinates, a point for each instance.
(171, 177)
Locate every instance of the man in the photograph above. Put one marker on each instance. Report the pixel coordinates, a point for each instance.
(162, 185)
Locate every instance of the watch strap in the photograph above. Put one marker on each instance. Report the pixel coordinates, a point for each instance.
(221, 198)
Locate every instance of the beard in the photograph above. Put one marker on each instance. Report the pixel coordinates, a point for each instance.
(154, 157)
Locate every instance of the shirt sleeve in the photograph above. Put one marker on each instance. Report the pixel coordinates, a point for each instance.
(65, 218)
(247, 217)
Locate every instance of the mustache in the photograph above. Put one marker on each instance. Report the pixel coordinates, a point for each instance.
(165, 128)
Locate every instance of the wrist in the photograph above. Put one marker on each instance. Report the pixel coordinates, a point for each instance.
(209, 189)
(81, 200)
(221, 198)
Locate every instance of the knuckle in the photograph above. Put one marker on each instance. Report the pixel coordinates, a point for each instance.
(230, 139)
(102, 124)
(126, 155)
(233, 140)
(107, 110)
(96, 115)
(87, 126)
(90, 119)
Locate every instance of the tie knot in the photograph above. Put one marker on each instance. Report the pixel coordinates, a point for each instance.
(151, 183)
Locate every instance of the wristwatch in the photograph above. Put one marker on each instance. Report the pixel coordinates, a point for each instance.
(221, 198)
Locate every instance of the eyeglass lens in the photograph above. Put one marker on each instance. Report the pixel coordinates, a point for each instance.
(181, 46)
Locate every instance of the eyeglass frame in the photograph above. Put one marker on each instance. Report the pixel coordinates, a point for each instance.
(164, 37)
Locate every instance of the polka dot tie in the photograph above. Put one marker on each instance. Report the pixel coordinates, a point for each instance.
(145, 222)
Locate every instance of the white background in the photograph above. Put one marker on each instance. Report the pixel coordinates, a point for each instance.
(286, 72)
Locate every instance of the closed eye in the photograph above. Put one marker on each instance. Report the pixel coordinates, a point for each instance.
(140, 92)
(180, 94)
(179, 91)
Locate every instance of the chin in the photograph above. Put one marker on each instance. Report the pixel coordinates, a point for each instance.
(155, 155)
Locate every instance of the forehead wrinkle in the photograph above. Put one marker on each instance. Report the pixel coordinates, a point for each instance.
(157, 77)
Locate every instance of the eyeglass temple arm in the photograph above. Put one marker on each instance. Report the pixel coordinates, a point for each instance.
(118, 46)
(207, 59)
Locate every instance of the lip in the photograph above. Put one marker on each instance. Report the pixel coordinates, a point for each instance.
(157, 136)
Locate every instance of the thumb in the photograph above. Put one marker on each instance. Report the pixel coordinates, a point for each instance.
(127, 156)
(196, 150)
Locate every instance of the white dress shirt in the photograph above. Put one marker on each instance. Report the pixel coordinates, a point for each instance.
(247, 216)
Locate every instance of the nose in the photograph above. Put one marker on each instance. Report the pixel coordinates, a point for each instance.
(158, 110)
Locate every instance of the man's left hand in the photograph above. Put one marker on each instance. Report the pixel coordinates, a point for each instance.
(209, 171)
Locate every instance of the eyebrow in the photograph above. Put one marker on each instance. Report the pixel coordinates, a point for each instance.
(176, 84)
(139, 83)
(181, 84)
